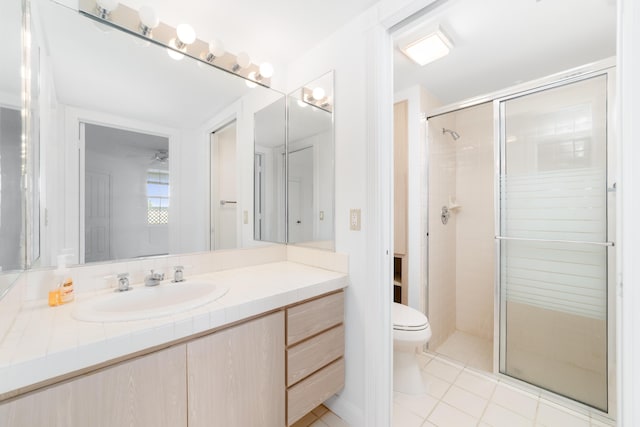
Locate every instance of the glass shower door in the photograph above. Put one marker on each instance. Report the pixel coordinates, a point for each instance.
(554, 240)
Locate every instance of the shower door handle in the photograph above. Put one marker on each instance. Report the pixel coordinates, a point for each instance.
(524, 239)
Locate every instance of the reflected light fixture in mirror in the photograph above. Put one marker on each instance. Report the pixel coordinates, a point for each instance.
(148, 20)
(185, 35)
(242, 61)
(104, 8)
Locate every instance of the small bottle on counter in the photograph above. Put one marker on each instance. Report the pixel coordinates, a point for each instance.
(66, 291)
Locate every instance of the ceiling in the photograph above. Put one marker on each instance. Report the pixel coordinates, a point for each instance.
(500, 43)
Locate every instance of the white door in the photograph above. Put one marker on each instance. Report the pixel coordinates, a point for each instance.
(300, 195)
(224, 199)
(97, 216)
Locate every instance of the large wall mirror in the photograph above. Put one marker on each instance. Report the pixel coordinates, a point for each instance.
(143, 153)
(294, 171)
(12, 225)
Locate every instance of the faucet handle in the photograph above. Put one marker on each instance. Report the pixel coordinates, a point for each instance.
(178, 275)
(123, 282)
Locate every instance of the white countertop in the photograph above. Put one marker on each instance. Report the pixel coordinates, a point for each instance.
(46, 342)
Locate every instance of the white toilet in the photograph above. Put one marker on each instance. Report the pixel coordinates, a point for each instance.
(411, 331)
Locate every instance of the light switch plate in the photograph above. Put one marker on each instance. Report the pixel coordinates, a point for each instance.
(245, 217)
(354, 219)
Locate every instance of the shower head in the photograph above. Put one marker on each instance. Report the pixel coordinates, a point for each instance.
(455, 135)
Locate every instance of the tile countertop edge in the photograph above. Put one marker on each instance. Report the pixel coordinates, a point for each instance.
(133, 338)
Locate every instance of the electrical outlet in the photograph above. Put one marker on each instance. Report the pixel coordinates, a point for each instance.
(354, 219)
(321, 215)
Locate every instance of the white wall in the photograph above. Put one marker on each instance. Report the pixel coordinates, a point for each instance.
(360, 54)
(629, 233)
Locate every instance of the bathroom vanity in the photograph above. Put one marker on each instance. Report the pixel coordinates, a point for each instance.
(272, 350)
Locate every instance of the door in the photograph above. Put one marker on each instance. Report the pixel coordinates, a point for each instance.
(224, 205)
(554, 240)
(300, 195)
(97, 217)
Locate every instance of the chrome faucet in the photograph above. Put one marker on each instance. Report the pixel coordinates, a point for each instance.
(178, 275)
(123, 282)
(153, 279)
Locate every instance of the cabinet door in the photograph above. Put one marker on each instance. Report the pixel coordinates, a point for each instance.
(236, 377)
(147, 391)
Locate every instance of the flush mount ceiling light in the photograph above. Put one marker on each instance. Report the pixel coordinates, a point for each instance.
(428, 48)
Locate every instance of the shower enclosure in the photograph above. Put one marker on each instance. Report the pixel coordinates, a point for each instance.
(521, 229)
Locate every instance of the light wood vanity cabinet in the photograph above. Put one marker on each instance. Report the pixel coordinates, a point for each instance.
(315, 350)
(146, 391)
(236, 376)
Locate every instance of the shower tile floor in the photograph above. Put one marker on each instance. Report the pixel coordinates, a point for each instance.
(469, 350)
(459, 396)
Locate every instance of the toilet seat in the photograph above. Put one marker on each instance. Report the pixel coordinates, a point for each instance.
(406, 318)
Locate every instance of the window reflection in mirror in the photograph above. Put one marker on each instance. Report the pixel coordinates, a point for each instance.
(310, 197)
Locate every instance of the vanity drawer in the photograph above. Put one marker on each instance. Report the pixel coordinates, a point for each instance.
(315, 316)
(307, 357)
(313, 390)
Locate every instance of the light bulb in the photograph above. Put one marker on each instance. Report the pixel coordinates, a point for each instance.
(318, 93)
(148, 19)
(249, 83)
(266, 70)
(186, 35)
(216, 50)
(172, 53)
(243, 60)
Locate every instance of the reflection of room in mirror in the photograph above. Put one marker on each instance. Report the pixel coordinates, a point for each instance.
(126, 194)
(10, 191)
(224, 204)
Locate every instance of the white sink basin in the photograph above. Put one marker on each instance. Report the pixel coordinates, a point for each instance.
(143, 302)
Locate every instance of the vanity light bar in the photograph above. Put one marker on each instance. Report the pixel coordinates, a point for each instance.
(128, 20)
(324, 103)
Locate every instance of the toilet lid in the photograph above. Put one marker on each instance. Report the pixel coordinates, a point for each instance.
(408, 319)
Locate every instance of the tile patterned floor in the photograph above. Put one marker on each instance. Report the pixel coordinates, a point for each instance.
(321, 417)
(459, 396)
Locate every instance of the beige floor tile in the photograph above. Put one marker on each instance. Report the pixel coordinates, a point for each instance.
(465, 401)
(445, 415)
(403, 417)
(478, 384)
(498, 416)
(306, 421)
(421, 404)
(435, 386)
(332, 420)
(552, 415)
(515, 400)
(443, 370)
(320, 410)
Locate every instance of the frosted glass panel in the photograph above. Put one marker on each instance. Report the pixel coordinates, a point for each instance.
(553, 270)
